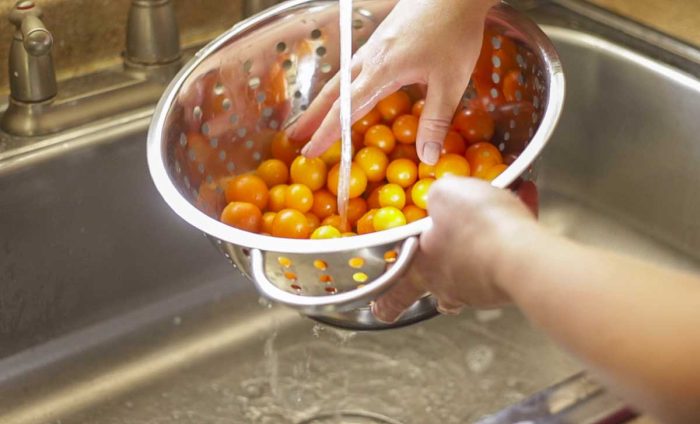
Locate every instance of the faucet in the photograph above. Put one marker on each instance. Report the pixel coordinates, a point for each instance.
(35, 106)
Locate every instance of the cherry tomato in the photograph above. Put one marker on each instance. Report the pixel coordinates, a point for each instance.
(403, 172)
(273, 172)
(243, 215)
(373, 117)
(527, 191)
(393, 105)
(332, 156)
(387, 218)
(407, 192)
(481, 157)
(405, 129)
(404, 151)
(419, 193)
(325, 232)
(474, 125)
(337, 222)
(494, 172)
(247, 188)
(451, 164)
(278, 198)
(417, 109)
(267, 220)
(454, 143)
(313, 221)
(358, 140)
(356, 208)
(392, 195)
(290, 223)
(358, 180)
(299, 197)
(283, 149)
(373, 198)
(308, 171)
(365, 225)
(426, 171)
(373, 161)
(380, 136)
(413, 213)
(514, 87)
(325, 204)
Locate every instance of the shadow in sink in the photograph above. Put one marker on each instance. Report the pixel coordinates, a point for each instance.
(131, 317)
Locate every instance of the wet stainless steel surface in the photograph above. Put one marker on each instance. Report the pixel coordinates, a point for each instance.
(112, 310)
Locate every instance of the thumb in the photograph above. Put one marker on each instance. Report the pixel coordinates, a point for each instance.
(441, 101)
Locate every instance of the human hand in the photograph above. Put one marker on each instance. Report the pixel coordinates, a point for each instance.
(429, 42)
(475, 227)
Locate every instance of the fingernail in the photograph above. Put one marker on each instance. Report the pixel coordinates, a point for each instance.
(431, 153)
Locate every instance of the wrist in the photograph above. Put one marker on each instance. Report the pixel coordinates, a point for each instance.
(515, 257)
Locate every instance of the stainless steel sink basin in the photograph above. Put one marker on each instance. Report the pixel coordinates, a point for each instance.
(112, 310)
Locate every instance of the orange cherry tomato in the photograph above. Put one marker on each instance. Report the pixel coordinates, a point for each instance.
(290, 223)
(454, 143)
(358, 180)
(494, 172)
(356, 208)
(337, 222)
(277, 198)
(417, 109)
(373, 198)
(267, 219)
(299, 197)
(514, 87)
(404, 151)
(308, 171)
(326, 232)
(419, 192)
(393, 105)
(413, 213)
(380, 136)
(247, 188)
(313, 221)
(409, 198)
(387, 218)
(474, 125)
(426, 171)
(243, 215)
(283, 149)
(451, 164)
(332, 156)
(373, 161)
(273, 172)
(481, 157)
(372, 118)
(403, 172)
(365, 225)
(392, 195)
(405, 129)
(325, 204)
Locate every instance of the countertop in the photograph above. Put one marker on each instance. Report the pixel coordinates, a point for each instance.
(678, 18)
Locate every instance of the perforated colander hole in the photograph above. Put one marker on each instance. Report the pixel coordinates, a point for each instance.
(356, 263)
(254, 83)
(281, 47)
(360, 277)
(197, 112)
(331, 290)
(321, 51)
(284, 262)
(325, 278)
(219, 89)
(291, 276)
(287, 64)
(390, 256)
(326, 68)
(316, 34)
(320, 264)
(247, 65)
(357, 24)
(296, 288)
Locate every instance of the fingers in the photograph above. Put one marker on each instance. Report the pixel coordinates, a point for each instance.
(366, 93)
(389, 307)
(441, 101)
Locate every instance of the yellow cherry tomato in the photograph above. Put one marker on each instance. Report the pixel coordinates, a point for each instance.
(392, 195)
(358, 180)
(419, 192)
(308, 171)
(387, 218)
(452, 164)
(325, 232)
(403, 172)
(373, 162)
(299, 197)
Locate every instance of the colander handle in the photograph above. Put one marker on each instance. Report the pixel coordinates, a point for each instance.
(341, 302)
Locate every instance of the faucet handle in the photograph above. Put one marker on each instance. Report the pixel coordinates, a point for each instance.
(26, 16)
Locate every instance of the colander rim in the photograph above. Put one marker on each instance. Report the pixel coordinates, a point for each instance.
(536, 40)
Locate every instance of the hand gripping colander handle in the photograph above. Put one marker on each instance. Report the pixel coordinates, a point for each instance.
(315, 305)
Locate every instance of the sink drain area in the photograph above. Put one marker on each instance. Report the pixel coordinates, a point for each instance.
(349, 417)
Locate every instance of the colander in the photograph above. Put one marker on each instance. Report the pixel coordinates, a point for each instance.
(221, 113)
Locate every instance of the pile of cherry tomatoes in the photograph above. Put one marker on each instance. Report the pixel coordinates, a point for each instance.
(293, 196)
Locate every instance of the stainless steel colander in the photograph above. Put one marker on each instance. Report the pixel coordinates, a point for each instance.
(224, 109)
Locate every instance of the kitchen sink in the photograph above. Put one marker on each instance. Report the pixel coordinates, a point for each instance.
(113, 310)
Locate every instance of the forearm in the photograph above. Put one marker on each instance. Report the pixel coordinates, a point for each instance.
(636, 323)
